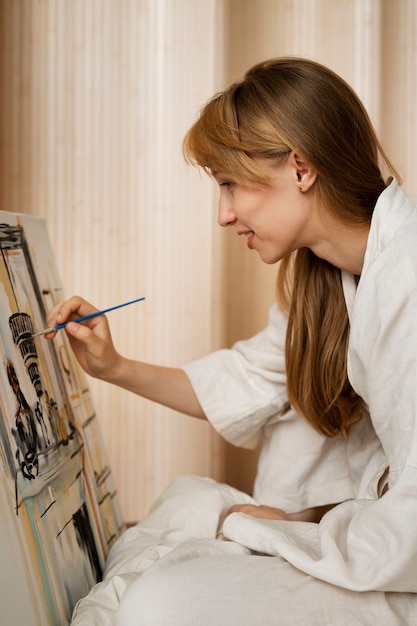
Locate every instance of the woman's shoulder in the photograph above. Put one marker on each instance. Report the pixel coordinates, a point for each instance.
(393, 233)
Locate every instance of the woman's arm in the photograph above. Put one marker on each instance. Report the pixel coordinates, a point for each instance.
(93, 347)
(269, 512)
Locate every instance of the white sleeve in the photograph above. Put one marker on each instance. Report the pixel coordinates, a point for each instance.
(243, 392)
(242, 388)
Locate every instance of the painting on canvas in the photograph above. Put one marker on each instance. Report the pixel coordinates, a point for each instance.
(59, 512)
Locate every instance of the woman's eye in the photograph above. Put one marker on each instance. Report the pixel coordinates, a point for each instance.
(226, 184)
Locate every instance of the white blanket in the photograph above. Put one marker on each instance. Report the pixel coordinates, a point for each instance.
(191, 509)
(175, 568)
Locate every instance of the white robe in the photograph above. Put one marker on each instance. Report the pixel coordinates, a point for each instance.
(366, 543)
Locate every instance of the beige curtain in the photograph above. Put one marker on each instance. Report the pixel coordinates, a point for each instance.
(96, 96)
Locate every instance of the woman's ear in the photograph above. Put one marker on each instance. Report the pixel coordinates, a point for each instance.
(305, 174)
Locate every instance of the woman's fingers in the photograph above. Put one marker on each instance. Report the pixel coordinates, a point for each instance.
(72, 309)
(64, 312)
(261, 511)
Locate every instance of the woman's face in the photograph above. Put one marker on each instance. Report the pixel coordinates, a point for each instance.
(277, 218)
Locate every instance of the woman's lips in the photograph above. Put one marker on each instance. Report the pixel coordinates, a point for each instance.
(249, 236)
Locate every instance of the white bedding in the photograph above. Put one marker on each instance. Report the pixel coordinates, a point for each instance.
(192, 510)
(176, 568)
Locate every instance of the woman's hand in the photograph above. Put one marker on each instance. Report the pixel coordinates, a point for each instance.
(90, 341)
(262, 511)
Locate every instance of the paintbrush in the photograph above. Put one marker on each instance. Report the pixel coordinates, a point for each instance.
(84, 317)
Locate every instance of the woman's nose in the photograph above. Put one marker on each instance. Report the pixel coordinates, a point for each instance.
(225, 216)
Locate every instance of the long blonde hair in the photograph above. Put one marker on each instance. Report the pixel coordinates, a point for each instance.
(287, 104)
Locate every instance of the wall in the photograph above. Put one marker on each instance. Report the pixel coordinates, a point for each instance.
(96, 97)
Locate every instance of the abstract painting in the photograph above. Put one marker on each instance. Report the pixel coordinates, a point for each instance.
(59, 512)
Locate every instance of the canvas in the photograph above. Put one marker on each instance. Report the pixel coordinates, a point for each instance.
(59, 512)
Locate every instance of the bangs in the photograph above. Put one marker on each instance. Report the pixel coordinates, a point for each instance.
(214, 143)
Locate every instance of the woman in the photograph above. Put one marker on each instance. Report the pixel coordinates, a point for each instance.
(330, 386)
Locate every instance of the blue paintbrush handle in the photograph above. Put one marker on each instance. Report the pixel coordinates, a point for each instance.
(85, 317)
